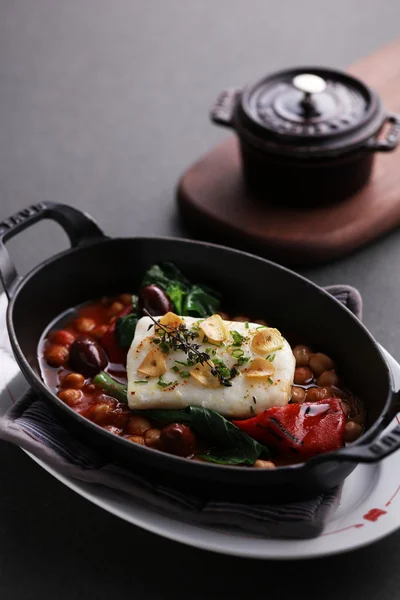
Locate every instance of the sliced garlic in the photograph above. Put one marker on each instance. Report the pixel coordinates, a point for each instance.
(153, 364)
(171, 319)
(260, 368)
(267, 340)
(202, 374)
(214, 328)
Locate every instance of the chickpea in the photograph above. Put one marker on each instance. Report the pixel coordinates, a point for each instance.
(73, 380)
(328, 378)
(241, 319)
(261, 322)
(99, 331)
(319, 363)
(152, 438)
(264, 464)
(223, 315)
(56, 355)
(112, 429)
(137, 439)
(352, 431)
(100, 412)
(115, 309)
(70, 396)
(315, 394)
(84, 325)
(126, 299)
(302, 355)
(298, 394)
(62, 337)
(138, 425)
(302, 375)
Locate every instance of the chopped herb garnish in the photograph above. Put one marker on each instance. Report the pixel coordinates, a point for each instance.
(252, 409)
(141, 381)
(271, 357)
(262, 327)
(237, 353)
(246, 324)
(184, 374)
(165, 384)
(175, 369)
(270, 380)
(242, 360)
(238, 338)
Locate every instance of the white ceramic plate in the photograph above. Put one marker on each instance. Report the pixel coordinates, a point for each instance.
(368, 511)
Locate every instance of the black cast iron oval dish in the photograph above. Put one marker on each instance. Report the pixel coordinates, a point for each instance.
(97, 265)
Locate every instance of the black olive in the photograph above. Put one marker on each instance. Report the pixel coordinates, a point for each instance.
(87, 356)
(178, 438)
(154, 300)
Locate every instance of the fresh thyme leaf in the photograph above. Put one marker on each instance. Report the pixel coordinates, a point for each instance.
(141, 381)
(238, 338)
(262, 327)
(164, 347)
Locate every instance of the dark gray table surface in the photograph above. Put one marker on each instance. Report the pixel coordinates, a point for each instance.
(103, 105)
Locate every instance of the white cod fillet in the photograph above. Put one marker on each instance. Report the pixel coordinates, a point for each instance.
(245, 398)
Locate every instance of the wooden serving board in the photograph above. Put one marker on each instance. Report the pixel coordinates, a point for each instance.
(215, 204)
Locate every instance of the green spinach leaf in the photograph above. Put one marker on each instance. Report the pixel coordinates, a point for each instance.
(187, 298)
(229, 445)
(176, 294)
(125, 326)
(201, 301)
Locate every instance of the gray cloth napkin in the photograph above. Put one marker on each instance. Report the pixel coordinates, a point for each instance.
(31, 424)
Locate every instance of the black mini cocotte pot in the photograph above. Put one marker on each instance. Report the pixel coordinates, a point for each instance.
(308, 135)
(97, 265)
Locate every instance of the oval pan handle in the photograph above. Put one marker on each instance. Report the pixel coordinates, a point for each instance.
(79, 227)
(224, 107)
(392, 139)
(370, 453)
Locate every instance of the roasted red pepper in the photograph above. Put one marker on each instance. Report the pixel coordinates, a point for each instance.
(115, 353)
(299, 429)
